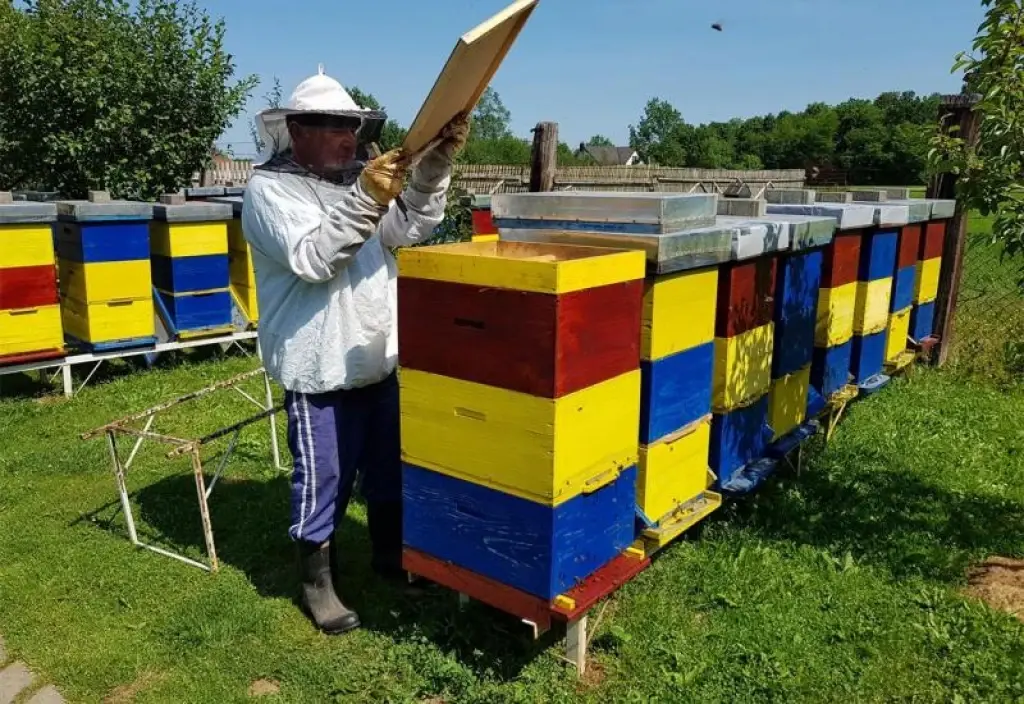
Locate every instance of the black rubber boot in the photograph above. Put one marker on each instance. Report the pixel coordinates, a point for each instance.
(319, 599)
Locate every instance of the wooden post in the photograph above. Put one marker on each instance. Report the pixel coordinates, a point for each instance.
(954, 110)
(544, 160)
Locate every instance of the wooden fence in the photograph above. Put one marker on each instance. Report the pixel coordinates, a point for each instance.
(477, 178)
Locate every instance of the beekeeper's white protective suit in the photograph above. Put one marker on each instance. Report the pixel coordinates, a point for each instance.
(325, 278)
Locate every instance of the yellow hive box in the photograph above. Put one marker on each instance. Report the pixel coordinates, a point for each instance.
(108, 321)
(242, 272)
(834, 323)
(105, 281)
(523, 266)
(788, 403)
(236, 238)
(899, 330)
(188, 239)
(25, 245)
(926, 280)
(871, 314)
(245, 296)
(541, 449)
(24, 330)
(673, 471)
(743, 367)
(679, 312)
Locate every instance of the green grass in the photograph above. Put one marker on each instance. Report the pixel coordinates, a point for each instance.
(839, 585)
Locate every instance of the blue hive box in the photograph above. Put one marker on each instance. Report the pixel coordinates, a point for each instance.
(922, 320)
(830, 369)
(903, 288)
(868, 356)
(738, 438)
(538, 549)
(877, 255)
(796, 305)
(675, 391)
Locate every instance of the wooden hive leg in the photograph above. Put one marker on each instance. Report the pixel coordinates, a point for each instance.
(576, 643)
(204, 507)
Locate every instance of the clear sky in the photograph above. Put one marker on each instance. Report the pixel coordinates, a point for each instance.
(591, 65)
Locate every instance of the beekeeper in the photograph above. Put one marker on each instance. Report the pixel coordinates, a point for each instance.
(320, 220)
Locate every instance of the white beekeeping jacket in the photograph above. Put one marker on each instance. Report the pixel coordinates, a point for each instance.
(325, 278)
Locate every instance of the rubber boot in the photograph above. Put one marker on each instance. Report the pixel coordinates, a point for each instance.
(319, 599)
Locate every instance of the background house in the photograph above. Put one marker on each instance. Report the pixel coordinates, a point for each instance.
(609, 156)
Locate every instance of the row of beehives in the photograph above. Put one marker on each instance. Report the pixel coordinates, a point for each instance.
(561, 401)
(91, 274)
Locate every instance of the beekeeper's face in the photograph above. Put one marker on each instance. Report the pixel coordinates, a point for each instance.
(325, 145)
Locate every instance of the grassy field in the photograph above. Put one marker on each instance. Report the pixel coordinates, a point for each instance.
(844, 583)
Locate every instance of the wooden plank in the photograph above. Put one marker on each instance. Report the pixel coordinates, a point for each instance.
(541, 344)
(538, 549)
(544, 268)
(600, 584)
(545, 450)
(544, 157)
(467, 73)
(28, 287)
(956, 112)
(745, 296)
(493, 593)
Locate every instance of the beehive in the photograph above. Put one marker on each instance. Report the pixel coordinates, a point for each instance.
(191, 272)
(30, 324)
(680, 238)
(537, 437)
(105, 281)
(242, 274)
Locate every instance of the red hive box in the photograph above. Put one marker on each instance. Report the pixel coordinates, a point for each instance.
(934, 237)
(745, 296)
(841, 260)
(910, 245)
(27, 287)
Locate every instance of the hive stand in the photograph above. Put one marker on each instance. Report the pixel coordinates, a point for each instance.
(186, 446)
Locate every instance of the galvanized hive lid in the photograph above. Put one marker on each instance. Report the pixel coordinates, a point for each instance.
(234, 201)
(195, 211)
(22, 212)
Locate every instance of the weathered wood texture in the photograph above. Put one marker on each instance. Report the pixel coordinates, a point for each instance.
(796, 306)
(746, 296)
(542, 344)
(539, 549)
(738, 438)
(544, 157)
(954, 111)
(675, 391)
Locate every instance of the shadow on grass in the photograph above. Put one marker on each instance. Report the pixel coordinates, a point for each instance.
(890, 518)
(250, 520)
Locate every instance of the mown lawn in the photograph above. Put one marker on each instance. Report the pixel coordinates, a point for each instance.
(842, 584)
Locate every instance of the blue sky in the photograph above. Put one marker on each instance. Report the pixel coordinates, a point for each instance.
(592, 65)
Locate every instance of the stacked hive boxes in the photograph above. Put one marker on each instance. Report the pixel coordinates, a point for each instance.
(903, 288)
(241, 271)
(30, 326)
(105, 284)
(837, 296)
(520, 398)
(798, 281)
(874, 290)
(744, 340)
(927, 268)
(190, 267)
(682, 245)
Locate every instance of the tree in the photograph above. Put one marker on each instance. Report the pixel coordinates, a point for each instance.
(599, 140)
(491, 119)
(990, 172)
(106, 94)
(654, 137)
